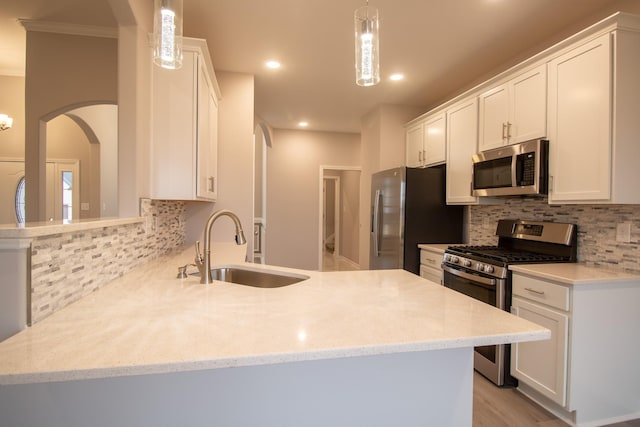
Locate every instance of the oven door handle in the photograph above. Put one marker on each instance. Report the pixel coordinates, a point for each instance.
(473, 277)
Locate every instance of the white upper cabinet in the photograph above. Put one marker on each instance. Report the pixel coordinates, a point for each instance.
(207, 167)
(514, 111)
(414, 139)
(462, 139)
(184, 128)
(593, 125)
(426, 141)
(582, 94)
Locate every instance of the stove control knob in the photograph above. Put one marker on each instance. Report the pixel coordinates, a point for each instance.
(455, 260)
(479, 266)
(466, 263)
(488, 269)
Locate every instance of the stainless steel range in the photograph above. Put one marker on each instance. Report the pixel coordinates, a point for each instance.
(482, 272)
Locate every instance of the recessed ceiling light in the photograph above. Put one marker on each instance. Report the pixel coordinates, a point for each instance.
(396, 77)
(303, 124)
(274, 65)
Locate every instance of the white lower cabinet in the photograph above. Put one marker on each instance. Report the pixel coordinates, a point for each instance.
(588, 372)
(542, 364)
(430, 265)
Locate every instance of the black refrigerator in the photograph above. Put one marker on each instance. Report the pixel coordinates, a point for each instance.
(408, 207)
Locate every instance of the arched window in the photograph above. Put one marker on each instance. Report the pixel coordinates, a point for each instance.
(20, 201)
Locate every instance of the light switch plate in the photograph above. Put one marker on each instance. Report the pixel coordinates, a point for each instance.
(623, 232)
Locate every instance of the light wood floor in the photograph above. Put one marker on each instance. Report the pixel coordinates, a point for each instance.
(506, 407)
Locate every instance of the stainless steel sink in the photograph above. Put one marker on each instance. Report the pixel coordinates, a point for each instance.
(255, 277)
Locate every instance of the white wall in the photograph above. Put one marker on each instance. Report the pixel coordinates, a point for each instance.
(12, 104)
(64, 71)
(293, 167)
(235, 163)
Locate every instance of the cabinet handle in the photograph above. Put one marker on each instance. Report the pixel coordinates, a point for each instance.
(550, 183)
(504, 131)
(420, 156)
(508, 130)
(534, 291)
(424, 155)
(211, 183)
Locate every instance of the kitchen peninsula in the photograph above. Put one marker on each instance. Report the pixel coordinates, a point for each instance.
(373, 348)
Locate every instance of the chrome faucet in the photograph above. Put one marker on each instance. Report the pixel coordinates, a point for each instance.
(204, 263)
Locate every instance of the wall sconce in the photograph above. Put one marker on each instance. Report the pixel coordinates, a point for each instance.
(5, 122)
(167, 33)
(367, 51)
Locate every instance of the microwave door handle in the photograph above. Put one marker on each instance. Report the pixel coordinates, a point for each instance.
(472, 277)
(514, 170)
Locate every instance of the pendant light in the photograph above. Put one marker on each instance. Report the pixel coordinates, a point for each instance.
(367, 50)
(167, 33)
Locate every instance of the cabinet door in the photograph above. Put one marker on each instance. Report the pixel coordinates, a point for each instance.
(173, 139)
(431, 274)
(462, 138)
(494, 115)
(542, 365)
(580, 123)
(207, 137)
(528, 106)
(435, 140)
(414, 141)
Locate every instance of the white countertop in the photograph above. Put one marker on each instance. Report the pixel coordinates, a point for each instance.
(46, 228)
(437, 247)
(575, 274)
(150, 322)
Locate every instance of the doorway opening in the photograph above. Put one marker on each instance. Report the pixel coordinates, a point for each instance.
(339, 218)
(262, 141)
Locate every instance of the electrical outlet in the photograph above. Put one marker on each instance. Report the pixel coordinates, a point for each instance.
(623, 232)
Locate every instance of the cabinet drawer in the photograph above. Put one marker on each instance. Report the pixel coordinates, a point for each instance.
(430, 259)
(435, 275)
(541, 291)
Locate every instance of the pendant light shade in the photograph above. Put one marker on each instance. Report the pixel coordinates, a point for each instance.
(167, 33)
(367, 50)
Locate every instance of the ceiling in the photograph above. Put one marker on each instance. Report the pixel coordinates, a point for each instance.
(442, 47)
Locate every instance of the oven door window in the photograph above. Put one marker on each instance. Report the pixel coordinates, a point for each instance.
(473, 289)
(477, 291)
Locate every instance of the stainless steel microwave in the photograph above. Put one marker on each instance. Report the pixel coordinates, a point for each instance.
(512, 170)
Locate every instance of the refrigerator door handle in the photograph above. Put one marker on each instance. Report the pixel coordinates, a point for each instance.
(375, 223)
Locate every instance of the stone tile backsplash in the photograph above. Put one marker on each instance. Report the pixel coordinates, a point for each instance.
(68, 266)
(597, 225)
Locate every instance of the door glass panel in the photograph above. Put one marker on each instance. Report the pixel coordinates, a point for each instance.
(67, 196)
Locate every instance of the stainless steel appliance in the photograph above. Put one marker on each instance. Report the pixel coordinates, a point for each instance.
(408, 207)
(482, 272)
(519, 169)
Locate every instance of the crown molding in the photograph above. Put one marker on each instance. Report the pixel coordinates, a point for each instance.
(70, 29)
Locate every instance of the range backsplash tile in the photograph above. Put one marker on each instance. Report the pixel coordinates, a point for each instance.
(65, 267)
(597, 226)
